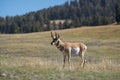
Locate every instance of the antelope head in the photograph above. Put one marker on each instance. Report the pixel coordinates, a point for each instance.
(55, 38)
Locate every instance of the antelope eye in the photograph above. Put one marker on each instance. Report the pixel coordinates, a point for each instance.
(55, 39)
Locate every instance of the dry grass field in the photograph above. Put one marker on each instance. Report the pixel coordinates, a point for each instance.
(31, 56)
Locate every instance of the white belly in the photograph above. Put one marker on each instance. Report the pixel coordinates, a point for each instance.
(75, 51)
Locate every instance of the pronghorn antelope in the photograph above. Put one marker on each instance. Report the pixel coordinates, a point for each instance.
(69, 49)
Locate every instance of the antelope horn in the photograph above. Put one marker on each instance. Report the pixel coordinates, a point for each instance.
(58, 36)
(55, 34)
(52, 35)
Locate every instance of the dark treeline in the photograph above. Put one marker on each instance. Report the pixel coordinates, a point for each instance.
(74, 13)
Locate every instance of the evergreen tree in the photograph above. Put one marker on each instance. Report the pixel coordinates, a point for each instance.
(60, 25)
(79, 12)
(117, 11)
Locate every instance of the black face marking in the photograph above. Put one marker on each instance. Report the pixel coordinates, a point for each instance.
(55, 39)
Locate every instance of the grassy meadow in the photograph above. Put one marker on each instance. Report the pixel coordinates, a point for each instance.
(31, 56)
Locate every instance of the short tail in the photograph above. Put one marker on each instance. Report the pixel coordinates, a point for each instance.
(85, 47)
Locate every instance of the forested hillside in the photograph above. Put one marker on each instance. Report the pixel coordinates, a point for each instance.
(74, 13)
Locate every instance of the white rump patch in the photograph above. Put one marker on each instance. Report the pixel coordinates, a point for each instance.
(75, 51)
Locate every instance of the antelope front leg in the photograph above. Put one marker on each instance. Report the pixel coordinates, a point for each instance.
(69, 58)
(64, 59)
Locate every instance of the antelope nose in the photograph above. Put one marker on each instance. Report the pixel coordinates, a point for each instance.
(51, 43)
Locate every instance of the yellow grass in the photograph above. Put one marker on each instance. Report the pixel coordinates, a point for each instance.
(33, 50)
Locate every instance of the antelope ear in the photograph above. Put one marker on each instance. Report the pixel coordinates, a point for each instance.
(58, 36)
(52, 35)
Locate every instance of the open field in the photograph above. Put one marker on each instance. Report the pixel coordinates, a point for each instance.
(31, 56)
